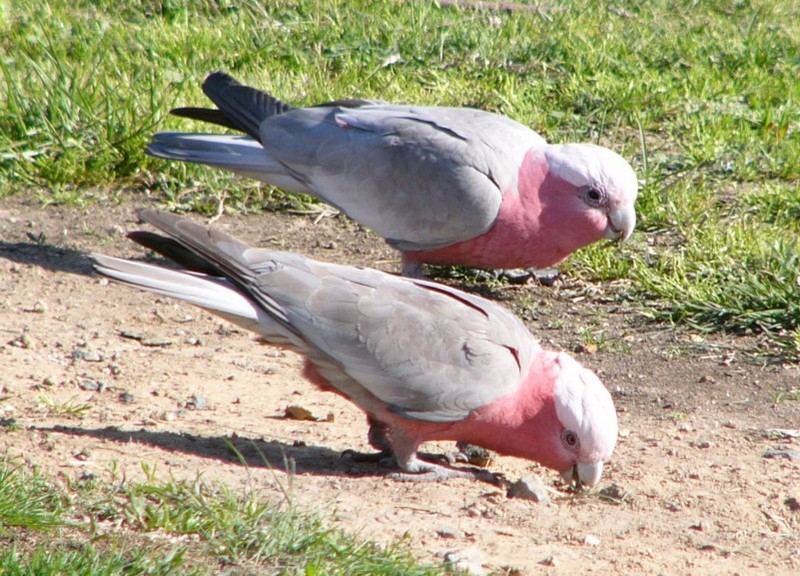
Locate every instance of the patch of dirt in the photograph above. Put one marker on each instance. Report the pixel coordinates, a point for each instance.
(101, 379)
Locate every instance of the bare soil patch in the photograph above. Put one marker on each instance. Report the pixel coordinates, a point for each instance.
(101, 379)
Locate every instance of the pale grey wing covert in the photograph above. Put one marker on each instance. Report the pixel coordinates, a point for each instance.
(432, 353)
(422, 178)
(428, 352)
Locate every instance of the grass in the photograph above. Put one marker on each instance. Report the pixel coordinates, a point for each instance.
(71, 407)
(170, 527)
(27, 500)
(704, 98)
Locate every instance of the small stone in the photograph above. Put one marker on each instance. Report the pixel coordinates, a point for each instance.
(298, 413)
(447, 533)
(591, 540)
(39, 307)
(468, 560)
(87, 476)
(93, 385)
(83, 455)
(792, 503)
(22, 341)
(793, 455)
(48, 381)
(86, 354)
(782, 433)
(197, 402)
(530, 487)
(549, 561)
(707, 379)
(616, 493)
(586, 348)
(127, 398)
(475, 455)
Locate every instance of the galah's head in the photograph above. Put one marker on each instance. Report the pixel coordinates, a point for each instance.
(588, 421)
(593, 191)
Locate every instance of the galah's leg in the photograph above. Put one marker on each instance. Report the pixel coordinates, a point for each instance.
(378, 439)
(411, 268)
(416, 470)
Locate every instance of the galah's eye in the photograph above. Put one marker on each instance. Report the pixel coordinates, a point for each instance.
(593, 196)
(570, 440)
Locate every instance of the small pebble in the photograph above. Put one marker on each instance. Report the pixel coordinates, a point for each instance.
(615, 492)
(475, 455)
(83, 455)
(87, 355)
(468, 560)
(126, 398)
(447, 533)
(93, 385)
(529, 487)
(793, 455)
(298, 413)
(591, 540)
(197, 402)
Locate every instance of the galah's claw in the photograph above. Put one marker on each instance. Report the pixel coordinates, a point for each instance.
(416, 470)
(544, 276)
(384, 457)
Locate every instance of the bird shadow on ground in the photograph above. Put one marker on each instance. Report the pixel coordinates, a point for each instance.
(47, 256)
(248, 452)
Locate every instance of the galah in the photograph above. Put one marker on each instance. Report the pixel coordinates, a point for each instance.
(442, 185)
(426, 361)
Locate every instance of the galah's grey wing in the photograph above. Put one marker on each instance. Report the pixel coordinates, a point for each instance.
(430, 352)
(420, 177)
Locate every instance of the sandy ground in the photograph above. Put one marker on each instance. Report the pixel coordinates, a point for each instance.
(101, 379)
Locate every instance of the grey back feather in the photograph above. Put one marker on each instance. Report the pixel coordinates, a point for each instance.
(430, 352)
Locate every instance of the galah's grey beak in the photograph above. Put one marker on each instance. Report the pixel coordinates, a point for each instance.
(621, 223)
(583, 474)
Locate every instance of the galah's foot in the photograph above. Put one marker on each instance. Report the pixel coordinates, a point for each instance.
(383, 457)
(545, 276)
(469, 454)
(416, 470)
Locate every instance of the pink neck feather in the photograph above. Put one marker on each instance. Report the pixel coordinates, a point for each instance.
(522, 424)
(537, 227)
